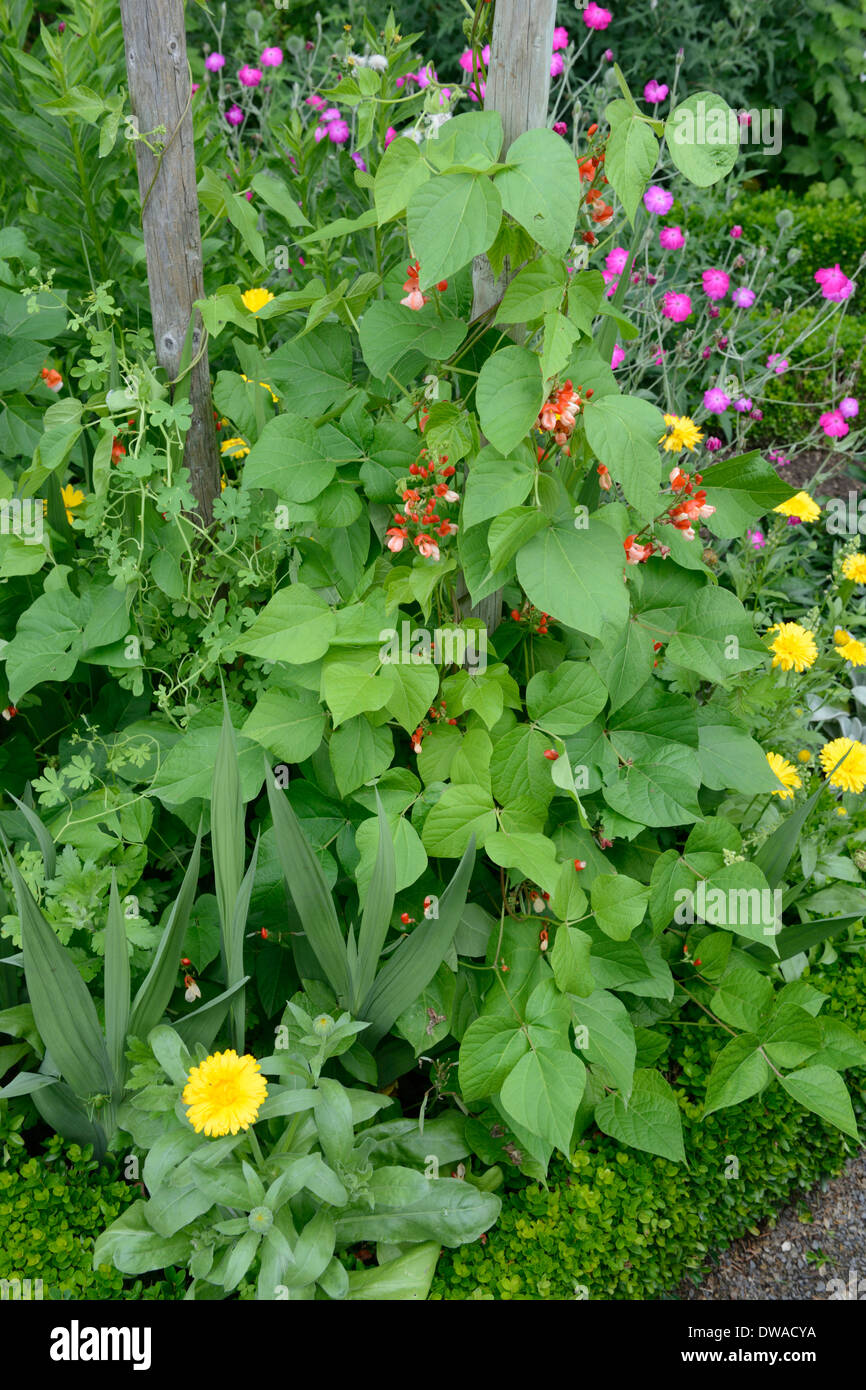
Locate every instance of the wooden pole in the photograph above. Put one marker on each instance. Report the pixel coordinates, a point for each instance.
(159, 89)
(518, 87)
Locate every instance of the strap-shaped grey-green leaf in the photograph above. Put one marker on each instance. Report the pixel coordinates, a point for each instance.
(378, 908)
(117, 987)
(203, 1024)
(227, 827)
(152, 998)
(415, 962)
(310, 892)
(46, 844)
(234, 951)
(62, 1008)
(776, 852)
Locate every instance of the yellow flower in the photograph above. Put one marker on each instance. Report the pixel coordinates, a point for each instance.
(265, 386)
(255, 300)
(851, 774)
(684, 434)
(840, 811)
(224, 1093)
(71, 498)
(852, 650)
(804, 756)
(794, 647)
(787, 775)
(800, 505)
(854, 567)
(235, 448)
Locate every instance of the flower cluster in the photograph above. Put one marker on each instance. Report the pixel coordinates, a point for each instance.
(559, 413)
(421, 508)
(437, 714)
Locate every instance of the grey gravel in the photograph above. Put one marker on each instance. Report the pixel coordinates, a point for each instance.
(828, 1225)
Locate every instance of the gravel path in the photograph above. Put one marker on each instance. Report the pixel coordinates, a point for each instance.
(816, 1250)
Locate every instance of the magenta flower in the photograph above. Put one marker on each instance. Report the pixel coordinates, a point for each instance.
(426, 76)
(466, 60)
(472, 94)
(594, 17)
(834, 424)
(716, 401)
(195, 87)
(715, 283)
(607, 55)
(849, 407)
(657, 200)
(557, 65)
(359, 163)
(314, 100)
(712, 443)
(390, 134)
(272, 58)
(743, 404)
(617, 356)
(676, 307)
(321, 133)
(332, 114)
(250, 77)
(835, 284)
(756, 414)
(338, 132)
(671, 239)
(560, 38)
(616, 259)
(655, 92)
(214, 61)
(560, 127)
(61, 28)
(756, 539)
(705, 352)
(736, 232)
(713, 312)
(779, 364)
(235, 115)
(743, 297)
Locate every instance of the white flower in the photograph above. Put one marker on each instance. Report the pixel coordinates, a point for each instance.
(378, 62)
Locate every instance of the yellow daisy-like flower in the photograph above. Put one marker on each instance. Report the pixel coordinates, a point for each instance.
(224, 1094)
(72, 497)
(854, 567)
(235, 448)
(787, 775)
(794, 649)
(804, 756)
(684, 434)
(801, 505)
(254, 300)
(853, 651)
(851, 774)
(840, 811)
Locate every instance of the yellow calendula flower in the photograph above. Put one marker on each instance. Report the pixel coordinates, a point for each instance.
(224, 1093)
(851, 650)
(801, 505)
(787, 775)
(254, 300)
(794, 648)
(840, 811)
(684, 434)
(72, 497)
(851, 774)
(235, 448)
(804, 756)
(854, 567)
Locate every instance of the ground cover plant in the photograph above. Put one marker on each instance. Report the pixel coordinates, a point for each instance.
(371, 847)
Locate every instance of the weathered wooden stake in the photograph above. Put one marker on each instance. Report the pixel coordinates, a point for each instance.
(159, 89)
(518, 87)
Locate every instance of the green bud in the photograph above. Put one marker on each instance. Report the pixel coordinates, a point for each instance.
(261, 1219)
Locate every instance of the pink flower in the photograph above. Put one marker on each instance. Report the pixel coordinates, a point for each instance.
(742, 404)
(332, 114)
(743, 297)
(338, 132)
(835, 284)
(713, 312)
(834, 424)
(426, 76)
(250, 77)
(560, 127)
(466, 60)
(671, 239)
(214, 61)
(756, 539)
(716, 401)
(195, 87)
(473, 94)
(235, 115)
(320, 133)
(779, 364)
(607, 55)
(359, 163)
(616, 259)
(736, 232)
(713, 443)
(594, 17)
(655, 92)
(272, 58)
(715, 283)
(61, 28)
(617, 357)
(849, 407)
(560, 38)
(756, 414)
(657, 200)
(390, 134)
(314, 100)
(557, 65)
(676, 307)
